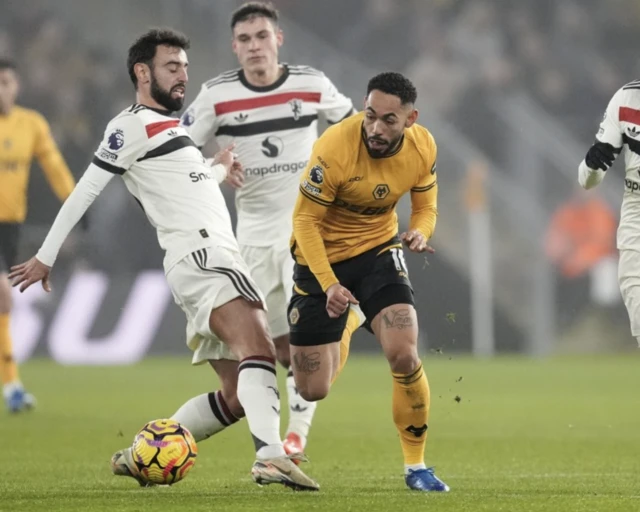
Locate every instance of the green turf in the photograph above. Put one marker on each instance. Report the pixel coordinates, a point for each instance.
(527, 435)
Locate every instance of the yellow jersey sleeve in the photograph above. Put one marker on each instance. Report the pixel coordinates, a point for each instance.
(424, 195)
(51, 161)
(318, 188)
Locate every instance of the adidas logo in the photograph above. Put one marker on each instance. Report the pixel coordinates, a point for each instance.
(241, 118)
(633, 132)
(172, 133)
(298, 408)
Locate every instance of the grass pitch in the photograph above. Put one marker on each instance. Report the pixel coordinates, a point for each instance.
(507, 435)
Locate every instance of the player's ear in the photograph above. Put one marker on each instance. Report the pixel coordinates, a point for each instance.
(279, 37)
(143, 72)
(413, 117)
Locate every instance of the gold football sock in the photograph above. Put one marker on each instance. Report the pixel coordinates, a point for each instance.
(353, 322)
(410, 406)
(8, 367)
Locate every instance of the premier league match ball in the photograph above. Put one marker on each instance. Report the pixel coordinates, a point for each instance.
(164, 452)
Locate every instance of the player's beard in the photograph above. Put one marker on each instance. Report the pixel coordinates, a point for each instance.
(388, 149)
(164, 97)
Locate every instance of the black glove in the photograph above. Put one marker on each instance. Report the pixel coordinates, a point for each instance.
(601, 156)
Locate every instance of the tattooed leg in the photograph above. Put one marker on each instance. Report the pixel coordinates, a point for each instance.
(396, 327)
(313, 369)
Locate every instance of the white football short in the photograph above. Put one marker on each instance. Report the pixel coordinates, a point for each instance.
(272, 270)
(629, 280)
(202, 282)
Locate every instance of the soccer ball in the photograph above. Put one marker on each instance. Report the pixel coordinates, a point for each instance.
(164, 452)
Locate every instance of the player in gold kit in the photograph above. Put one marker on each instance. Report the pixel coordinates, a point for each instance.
(348, 251)
(24, 134)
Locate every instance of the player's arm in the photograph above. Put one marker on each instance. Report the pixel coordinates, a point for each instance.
(107, 162)
(424, 206)
(51, 160)
(318, 187)
(334, 105)
(606, 147)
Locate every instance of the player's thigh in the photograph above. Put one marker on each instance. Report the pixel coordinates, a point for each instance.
(629, 280)
(393, 320)
(242, 325)
(227, 372)
(9, 238)
(221, 302)
(5, 294)
(315, 344)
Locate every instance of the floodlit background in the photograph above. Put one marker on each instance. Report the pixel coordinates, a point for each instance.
(512, 91)
(532, 368)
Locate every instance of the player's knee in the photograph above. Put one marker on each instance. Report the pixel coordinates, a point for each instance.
(313, 392)
(403, 361)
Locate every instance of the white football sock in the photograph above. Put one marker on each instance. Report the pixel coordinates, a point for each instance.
(300, 411)
(205, 415)
(259, 396)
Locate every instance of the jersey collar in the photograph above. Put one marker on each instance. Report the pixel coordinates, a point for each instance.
(264, 88)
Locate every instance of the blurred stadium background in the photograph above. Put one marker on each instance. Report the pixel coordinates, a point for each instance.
(513, 92)
(525, 265)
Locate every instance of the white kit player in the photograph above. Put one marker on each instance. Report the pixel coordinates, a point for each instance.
(620, 128)
(179, 192)
(269, 111)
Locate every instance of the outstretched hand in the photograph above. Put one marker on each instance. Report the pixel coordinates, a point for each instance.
(29, 272)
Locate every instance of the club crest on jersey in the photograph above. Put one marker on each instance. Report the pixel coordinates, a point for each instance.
(188, 118)
(116, 140)
(316, 175)
(296, 108)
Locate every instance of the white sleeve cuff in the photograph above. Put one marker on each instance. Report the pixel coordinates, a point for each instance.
(88, 188)
(218, 171)
(588, 177)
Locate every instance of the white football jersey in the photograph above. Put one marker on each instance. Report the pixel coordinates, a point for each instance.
(274, 128)
(620, 127)
(165, 171)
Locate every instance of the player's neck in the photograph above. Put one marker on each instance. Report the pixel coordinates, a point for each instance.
(148, 101)
(264, 78)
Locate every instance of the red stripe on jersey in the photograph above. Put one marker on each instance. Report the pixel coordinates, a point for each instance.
(156, 128)
(631, 115)
(225, 107)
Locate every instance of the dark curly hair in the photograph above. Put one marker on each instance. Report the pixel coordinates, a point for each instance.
(254, 10)
(144, 49)
(395, 84)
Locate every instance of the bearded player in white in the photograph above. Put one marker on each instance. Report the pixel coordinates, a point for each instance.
(620, 129)
(178, 190)
(269, 110)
